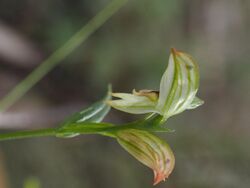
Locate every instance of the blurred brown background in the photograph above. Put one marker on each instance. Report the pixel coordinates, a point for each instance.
(211, 143)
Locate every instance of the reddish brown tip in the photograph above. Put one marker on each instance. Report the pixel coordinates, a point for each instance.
(174, 51)
(158, 177)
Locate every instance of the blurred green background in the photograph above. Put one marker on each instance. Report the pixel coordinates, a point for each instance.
(131, 50)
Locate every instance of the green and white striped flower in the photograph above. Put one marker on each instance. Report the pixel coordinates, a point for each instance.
(178, 87)
(149, 150)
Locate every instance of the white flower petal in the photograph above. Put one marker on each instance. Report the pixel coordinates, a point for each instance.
(195, 103)
(166, 83)
(133, 104)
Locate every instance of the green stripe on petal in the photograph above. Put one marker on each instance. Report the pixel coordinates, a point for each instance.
(176, 92)
(192, 79)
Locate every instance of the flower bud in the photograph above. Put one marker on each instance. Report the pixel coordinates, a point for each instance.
(149, 150)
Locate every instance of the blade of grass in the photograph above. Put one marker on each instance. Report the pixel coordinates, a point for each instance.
(37, 74)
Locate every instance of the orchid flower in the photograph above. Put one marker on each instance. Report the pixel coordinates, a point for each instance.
(178, 87)
(177, 92)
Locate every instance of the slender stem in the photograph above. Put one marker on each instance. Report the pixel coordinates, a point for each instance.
(60, 54)
(57, 132)
(28, 134)
(85, 128)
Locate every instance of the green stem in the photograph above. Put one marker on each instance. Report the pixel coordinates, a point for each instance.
(87, 129)
(60, 54)
(105, 129)
(28, 134)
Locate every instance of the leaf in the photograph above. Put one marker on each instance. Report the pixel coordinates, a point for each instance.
(94, 113)
(149, 150)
